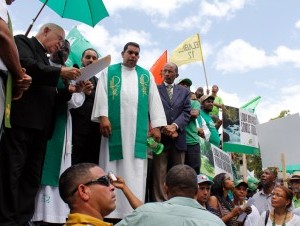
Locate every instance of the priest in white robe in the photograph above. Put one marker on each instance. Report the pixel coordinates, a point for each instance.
(126, 101)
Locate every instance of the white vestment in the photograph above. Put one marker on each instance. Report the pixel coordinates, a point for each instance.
(49, 207)
(133, 170)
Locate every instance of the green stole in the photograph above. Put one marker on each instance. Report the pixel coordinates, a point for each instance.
(114, 84)
(8, 94)
(55, 146)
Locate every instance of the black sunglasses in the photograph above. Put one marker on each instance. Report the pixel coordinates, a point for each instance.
(104, 180)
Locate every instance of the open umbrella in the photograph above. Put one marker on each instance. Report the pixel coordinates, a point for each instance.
(89, 12)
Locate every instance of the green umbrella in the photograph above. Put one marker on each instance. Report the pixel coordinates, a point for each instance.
(89, 12)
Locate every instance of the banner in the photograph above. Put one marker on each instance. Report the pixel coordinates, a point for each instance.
(157, 68)
(214, 160)
(280, 136)
(78, 44)
(187, 52)
(239, 131)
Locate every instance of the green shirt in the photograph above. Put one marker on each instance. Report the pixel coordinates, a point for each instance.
(176, 211)
(191, 129)
(296, 202)
(215, 110)
(214, 135)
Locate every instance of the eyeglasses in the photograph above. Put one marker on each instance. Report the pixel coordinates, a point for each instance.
(104, 180)
(277, 195)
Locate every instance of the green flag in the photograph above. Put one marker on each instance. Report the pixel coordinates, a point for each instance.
(78, 44)
(251, 105)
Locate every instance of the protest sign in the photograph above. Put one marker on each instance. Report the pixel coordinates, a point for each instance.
(239, 131)
(280, 136)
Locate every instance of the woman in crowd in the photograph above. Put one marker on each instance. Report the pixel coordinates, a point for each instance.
(281, 214)
(220, 201)
(252, 216)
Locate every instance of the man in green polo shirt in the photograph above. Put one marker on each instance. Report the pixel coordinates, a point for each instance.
(218, 103)
(206, 107)
(192, 155)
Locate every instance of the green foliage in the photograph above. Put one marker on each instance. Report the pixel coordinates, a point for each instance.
(282, 114)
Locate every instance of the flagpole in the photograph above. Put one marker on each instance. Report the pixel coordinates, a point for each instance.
(203, 62)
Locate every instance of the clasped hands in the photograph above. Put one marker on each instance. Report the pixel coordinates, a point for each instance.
(170, 130)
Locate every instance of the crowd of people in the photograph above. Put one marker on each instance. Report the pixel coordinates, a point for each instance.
(60, 136)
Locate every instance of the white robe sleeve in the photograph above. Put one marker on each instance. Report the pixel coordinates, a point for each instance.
(76, 100)
(100, 107)
(156, 109)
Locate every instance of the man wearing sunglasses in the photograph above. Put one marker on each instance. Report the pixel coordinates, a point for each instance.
(87, 190)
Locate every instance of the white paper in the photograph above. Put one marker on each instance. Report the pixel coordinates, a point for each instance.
(243, 215)
(94, 68)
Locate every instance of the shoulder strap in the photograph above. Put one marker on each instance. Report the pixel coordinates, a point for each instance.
(267, 216)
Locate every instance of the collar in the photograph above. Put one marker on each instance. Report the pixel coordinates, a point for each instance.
(264, 194)
(183, 201)
(166, 84)
(83, 219)
(40, 44)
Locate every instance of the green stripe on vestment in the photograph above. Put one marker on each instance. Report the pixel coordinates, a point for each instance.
(8, 90)
(114, 84)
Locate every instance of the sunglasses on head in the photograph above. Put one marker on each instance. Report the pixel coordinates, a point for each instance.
(104, 180)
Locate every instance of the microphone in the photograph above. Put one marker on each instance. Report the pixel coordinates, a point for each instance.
(76, 65)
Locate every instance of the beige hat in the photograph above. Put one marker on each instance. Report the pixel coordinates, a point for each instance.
(205, 97)
(295, 176)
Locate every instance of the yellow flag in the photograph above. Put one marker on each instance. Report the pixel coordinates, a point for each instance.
(188, 51)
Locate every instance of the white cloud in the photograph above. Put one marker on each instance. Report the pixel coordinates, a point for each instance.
(221, 8)
(285, 100)
(297, 25)
(286, 55)
(150, 7)
(108, 43)
(207, 11)
(241, 56)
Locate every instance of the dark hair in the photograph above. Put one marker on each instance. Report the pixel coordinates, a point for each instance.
(72, 177)
(182, 181)
(288, 193)
(91, 49)
(130, 44)
(217, 190)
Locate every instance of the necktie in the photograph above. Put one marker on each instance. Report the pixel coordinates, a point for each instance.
(8, 94)
(170, 91)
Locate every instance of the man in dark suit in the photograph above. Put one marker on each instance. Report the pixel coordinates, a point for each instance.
(23, 146)
(86, 135)
(177, 106)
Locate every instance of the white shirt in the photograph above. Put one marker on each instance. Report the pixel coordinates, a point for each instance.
(3, 16)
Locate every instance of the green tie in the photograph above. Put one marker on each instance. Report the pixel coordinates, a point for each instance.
(8, 90)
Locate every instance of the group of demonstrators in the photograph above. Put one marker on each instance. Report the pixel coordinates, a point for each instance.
(62, 135)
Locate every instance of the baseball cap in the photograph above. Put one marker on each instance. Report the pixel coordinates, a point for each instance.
(186, 80)
(239, 182)
(205, 97)
(201, 178)
(252, 183)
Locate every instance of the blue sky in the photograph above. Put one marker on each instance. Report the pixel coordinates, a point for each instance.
(250, 48)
